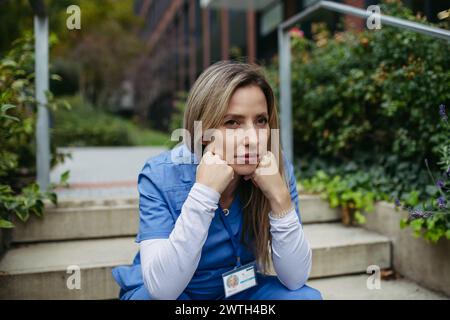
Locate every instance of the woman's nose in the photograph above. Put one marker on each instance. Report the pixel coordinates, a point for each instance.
(251, 137)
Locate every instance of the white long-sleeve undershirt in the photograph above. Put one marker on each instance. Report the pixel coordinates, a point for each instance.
(168, 265)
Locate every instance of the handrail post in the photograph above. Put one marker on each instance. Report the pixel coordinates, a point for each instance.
(287, 138)
(41, 83)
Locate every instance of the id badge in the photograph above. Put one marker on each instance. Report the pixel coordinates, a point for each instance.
(239, 279)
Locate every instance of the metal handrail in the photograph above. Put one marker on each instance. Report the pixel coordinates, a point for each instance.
(285, 54)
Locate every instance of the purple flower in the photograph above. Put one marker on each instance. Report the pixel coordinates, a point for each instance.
(441, 202)
(416, 214)
(440, 184)
(427, 214)
(397, 203)
(442, 112)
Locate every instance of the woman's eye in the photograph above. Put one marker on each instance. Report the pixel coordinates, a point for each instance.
(262, 120)
(231, 122)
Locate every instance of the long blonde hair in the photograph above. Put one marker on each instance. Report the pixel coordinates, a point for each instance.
(208, 102)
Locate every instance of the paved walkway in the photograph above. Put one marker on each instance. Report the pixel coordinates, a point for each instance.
(101, 172)
(354, 287)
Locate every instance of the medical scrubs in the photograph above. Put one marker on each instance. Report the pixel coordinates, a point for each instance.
(164, 184)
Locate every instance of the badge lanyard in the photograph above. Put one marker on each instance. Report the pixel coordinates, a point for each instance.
(234, 240)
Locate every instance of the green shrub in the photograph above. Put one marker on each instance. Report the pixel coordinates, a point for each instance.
(431, 218)
(19, 193)
(85, 125)
(366, 104)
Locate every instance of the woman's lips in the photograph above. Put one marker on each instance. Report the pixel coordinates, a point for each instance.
(248, 158)
(247, 155)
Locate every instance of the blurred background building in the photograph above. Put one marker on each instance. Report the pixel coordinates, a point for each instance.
(186, 36)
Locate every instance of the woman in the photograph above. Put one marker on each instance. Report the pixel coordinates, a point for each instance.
(227, 210)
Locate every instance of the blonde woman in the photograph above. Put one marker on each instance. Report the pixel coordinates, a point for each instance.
(231, 209)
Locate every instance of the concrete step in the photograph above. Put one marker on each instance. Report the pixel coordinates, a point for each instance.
(354, 287)
(103, 218)
(69, 223)
(314, 209)
(339, 250)
(39, 271)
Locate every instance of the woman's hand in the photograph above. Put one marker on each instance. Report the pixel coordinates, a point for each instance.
(213, 171)
(268, 178)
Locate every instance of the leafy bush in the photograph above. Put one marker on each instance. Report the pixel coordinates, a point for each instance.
(19, 194)
(82, 124)
(431, 218)
(365, 110)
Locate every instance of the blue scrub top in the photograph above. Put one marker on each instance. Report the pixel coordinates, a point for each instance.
(164, 184)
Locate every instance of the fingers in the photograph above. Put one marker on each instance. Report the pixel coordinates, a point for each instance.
(268, 165)
(210, 147)
(210, 158)
(207, 157)
(209, 153)
(215, 146)
(265, 160)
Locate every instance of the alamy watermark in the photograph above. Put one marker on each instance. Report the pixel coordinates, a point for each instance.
(374, 280)
(73, 21)
(73, 282)
(374, 20)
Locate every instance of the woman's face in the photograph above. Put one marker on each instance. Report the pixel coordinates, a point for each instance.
(244, 131)
(233, 282)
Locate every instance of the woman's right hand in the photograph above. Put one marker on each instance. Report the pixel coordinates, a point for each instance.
(213, 171)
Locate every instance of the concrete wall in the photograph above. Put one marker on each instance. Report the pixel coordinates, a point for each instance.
(425, 263)
(5, 240)
(1, 243)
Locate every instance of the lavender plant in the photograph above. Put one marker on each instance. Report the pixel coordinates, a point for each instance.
(431, 218)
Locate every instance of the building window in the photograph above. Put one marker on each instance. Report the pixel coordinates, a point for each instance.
(270, 18)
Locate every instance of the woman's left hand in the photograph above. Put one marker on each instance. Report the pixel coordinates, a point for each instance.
(267, 177)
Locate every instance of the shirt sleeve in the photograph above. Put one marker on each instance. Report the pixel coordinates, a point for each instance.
(155, 219)
(169, 264)
(292, 183)
(291, 251)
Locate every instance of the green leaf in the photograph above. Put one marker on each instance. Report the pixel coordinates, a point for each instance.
(10, 118)
(53, 197)
(6, 107)
(447, 234)
(6, 224)
(431, 190)
(403, 223)
(9, 63)
(64, 177)
(23, 214)
(416, 225)
(56, 77)
(361, 219)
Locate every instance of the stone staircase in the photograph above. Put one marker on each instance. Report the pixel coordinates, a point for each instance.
(98, 235)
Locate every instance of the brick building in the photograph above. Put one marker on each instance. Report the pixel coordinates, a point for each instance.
(185, 36)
